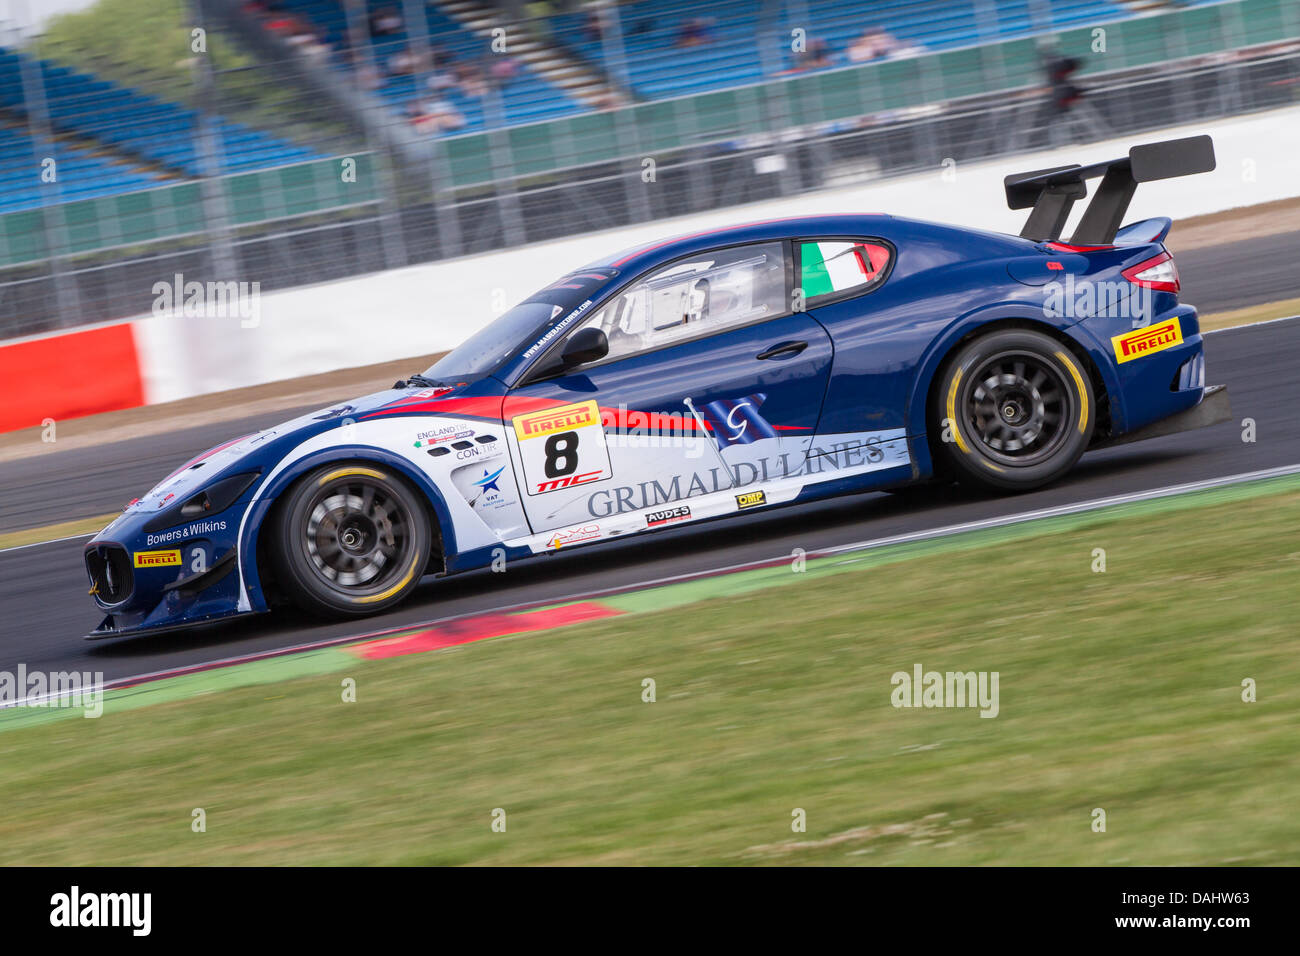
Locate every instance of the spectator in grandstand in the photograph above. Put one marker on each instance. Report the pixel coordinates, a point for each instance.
(593, 27)
(368, 77)
(402, 63)
(814, 57)
(503, 69)
(905, 49)
(817, 56)
(303, 37)
(316, 51)
(608, 100)
(440, 56)
(385, 21)
(471, 79)
(434, 116)
(311, 46)
(871, 44)
(440, 81)
(642, 27)
(286, 25)
(696, 31)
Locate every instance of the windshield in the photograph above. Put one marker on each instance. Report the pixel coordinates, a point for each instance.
(517, 329)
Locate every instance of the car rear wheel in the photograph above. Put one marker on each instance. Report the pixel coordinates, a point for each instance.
(351, 540)
(1013, 410)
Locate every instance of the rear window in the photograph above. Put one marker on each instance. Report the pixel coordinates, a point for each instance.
(841, 267)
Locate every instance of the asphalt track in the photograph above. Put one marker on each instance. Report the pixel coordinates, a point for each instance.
(44, 610)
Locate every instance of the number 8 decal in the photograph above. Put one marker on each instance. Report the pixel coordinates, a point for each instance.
(561, 448)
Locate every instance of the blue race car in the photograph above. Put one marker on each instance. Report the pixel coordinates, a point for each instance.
(701, 377)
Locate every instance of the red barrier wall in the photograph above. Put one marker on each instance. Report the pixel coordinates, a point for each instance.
(66, 376)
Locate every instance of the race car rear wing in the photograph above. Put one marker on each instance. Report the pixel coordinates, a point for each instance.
(1052, 192)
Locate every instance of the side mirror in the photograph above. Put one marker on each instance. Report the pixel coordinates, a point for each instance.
(585, 345)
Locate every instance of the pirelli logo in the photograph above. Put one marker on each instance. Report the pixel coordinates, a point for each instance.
(1148, 341)
(157, 559)
(751, 499)
(562, 419)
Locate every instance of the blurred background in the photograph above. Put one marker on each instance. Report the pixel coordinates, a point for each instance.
(291, 142)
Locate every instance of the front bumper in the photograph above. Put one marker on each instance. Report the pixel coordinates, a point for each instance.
(110, 627)
(160, 581)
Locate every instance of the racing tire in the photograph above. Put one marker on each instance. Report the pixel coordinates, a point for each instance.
(350, 540)
(1013, 410)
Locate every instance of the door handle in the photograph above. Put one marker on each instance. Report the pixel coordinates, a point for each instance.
(783, 350)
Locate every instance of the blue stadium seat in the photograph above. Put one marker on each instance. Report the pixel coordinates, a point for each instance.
(658, 67)
(143, 130)
(78, 174)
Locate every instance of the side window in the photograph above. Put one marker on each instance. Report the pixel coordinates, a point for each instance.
(704, 294)
(840, 266)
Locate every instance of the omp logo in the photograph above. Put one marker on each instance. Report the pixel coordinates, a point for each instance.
(751, 499)
(562, 419)
(157, 559)
(1147, 341)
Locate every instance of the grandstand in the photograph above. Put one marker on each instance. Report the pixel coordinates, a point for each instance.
(113, 139)
(660, 56)
(664, 60)
(77, 173)
(525, 95)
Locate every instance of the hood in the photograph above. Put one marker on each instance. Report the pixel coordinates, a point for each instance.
(260, 450)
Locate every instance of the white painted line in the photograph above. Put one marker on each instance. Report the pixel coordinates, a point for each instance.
(37, 544)
(1251, 325)
(1096, 504)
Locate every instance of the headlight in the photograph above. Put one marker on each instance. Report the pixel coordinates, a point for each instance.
(217, 497)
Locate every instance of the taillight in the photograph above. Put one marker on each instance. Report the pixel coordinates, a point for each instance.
(1067, 247)
(1158, 273)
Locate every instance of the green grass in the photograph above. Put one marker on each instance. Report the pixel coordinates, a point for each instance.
(1119, 690)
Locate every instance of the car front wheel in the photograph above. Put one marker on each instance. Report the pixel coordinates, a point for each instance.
(351, 540)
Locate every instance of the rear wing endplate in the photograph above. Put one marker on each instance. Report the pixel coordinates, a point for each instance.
(1049, 194)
